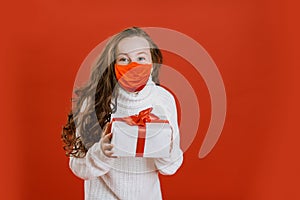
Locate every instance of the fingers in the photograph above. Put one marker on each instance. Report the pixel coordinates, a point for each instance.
(105, 129)
(106, 138)
(107, 150)
(105, 141)
(171, 146)
(106, 146)
(171, 143)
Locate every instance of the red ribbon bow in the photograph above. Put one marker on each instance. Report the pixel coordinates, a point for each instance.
(141, 118)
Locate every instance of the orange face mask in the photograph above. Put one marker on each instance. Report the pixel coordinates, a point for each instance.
(134, 76)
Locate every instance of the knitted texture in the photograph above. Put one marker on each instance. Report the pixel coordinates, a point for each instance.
(130, 177)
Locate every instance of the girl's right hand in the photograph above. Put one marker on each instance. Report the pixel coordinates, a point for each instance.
(106, 146)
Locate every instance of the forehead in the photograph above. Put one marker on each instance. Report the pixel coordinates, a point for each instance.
(132, 44)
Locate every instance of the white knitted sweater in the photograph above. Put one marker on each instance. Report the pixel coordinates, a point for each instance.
(128, 177)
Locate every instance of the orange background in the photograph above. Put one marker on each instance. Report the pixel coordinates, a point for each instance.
(252, 42)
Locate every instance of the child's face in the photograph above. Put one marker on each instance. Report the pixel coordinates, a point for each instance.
(133, 49)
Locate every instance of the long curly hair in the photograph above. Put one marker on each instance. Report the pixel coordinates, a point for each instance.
(100, 91)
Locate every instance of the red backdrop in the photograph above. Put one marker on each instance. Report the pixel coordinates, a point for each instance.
(252, 42)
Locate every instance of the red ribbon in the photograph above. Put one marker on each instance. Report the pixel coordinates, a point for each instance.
(140, 120)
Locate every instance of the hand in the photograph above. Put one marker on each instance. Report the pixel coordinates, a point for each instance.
(171, 145)
(106, 146)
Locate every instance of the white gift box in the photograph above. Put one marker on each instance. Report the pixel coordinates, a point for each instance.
(152, 140)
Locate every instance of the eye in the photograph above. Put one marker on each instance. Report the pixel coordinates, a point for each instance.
(123, 60)
(141, 59)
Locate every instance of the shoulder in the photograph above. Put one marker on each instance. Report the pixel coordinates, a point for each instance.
(166, 99)
(165, 102)
(164, 95)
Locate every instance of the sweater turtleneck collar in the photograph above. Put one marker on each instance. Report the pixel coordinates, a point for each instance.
(127, 99)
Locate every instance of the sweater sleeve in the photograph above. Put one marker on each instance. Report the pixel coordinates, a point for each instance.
(94, 164)
(169, 165)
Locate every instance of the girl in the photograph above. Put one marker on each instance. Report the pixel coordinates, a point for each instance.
(110, 94)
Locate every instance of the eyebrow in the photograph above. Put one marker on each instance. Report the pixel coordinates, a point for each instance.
(142, 52)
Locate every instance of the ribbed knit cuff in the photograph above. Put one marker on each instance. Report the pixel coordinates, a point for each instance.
(99, 157)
